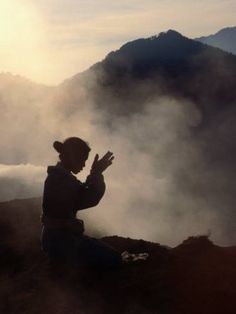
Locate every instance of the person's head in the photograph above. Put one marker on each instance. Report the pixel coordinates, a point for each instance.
(73, 153)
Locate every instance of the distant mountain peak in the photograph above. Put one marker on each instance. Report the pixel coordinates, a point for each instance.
(153, 46)
(170, 33)
(222, 32)
(227, 30)
(147, 54)
(16, 79)
(167, 52)
(224, 39)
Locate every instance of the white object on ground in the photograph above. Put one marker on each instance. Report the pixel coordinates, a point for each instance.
(131, 257)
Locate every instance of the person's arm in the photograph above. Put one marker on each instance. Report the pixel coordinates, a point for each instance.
(90, 193)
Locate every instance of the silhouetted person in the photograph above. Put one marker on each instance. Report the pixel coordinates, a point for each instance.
(63, 234)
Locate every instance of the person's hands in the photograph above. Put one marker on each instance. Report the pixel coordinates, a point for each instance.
(101, 165)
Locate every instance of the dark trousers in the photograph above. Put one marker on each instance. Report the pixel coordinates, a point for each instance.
(79, 249)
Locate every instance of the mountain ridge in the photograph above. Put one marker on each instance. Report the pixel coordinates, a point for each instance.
(224, 39)
(158, 46)
(176, 65)
(164, 36)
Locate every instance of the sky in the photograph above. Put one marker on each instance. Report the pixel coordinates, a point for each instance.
(48, 41)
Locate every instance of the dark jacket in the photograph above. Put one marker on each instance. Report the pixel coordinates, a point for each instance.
(64, 194)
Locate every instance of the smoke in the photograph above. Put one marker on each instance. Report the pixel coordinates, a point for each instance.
(159, 188)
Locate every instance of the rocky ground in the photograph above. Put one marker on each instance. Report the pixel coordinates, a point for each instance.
(194, 277)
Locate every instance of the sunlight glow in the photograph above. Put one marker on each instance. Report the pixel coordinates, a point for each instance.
(21, 39)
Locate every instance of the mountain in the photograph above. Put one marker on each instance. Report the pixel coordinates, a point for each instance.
(169, 64)
(14, 87)
(224, 39)
(193, 277)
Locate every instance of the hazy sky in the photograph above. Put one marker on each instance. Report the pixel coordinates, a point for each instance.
(50, 40)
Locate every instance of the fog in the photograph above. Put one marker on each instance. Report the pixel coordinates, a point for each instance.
(159, 188)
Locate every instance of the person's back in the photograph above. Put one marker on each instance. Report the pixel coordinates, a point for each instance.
(64, 194)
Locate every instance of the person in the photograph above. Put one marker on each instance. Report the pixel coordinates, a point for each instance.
(62, 236)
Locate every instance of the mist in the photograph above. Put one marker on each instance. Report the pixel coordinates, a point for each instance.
(159, 188)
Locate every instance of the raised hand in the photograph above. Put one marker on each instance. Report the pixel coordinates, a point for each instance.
(101, 165)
